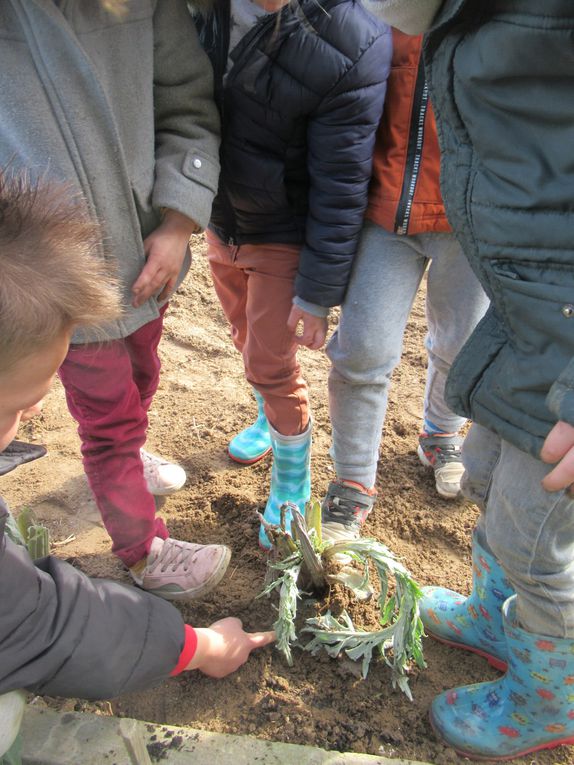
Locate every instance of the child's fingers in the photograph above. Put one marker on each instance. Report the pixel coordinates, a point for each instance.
(167, 290)
(145, 282)
(259, 639)
(557, 443)
(562, 477)
(293, 320)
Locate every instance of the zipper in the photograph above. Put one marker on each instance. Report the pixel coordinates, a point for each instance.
(414, 151)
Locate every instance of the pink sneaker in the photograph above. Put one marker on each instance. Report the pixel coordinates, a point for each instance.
(162, 477)
(177, 570)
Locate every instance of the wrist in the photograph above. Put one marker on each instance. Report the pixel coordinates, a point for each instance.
(188, 651)
(178, 222)
(204, 647)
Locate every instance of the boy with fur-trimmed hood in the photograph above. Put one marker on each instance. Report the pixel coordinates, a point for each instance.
(62, 633)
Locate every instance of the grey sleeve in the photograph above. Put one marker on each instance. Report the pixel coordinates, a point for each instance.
(410, 16)
(315, 310)
(186, 117)
(64, 634)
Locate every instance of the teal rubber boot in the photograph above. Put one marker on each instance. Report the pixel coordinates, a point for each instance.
(473, 623)
(253, 443)
(290, 477)
(530, 708)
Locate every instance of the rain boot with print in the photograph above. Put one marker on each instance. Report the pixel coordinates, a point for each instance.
(473, 623)
(290, 477)
(530, 708)
(253, 443)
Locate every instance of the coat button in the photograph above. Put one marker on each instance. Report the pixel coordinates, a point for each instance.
(568, 310)
(197, 163)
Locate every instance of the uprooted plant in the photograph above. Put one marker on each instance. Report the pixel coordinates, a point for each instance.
(302, 563)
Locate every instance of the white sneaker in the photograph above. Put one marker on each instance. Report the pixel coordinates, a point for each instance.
(162, 477)
(442, 453)
(177, 570)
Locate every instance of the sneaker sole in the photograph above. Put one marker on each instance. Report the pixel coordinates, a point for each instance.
(198, 592)
(448, 494)
(251, 461)
(165, 492)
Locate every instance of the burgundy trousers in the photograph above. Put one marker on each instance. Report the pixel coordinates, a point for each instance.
(109, 388)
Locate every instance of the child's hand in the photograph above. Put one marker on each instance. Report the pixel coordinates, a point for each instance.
(225, 646)
(314, 329)
(165, 250)
(559, 447)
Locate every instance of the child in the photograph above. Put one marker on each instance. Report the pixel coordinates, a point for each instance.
(504, 119)
(120, 106)
(405, 230)
(61, 633)
(300, 87)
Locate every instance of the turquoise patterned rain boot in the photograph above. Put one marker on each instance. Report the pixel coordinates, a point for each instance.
(530, 708)
(253, 443)
(473, 623)
(290, 477)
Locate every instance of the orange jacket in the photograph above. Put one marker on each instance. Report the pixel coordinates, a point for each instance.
(404, 194)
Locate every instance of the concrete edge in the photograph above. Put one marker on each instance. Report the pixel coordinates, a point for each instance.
(69, 738)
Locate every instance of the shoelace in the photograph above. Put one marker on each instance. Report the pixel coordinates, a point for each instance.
(151, 464)
(172, 554)
(444, 453)
(346, 510)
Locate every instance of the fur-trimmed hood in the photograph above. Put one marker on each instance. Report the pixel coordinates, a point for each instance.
(410, 16)
(201, 7)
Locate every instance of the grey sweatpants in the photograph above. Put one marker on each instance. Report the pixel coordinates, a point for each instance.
(529, 530)
(367, 344)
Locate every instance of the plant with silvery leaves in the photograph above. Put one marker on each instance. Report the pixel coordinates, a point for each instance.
(302, 562)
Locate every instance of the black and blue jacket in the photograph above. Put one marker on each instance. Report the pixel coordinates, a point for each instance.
(300, 107)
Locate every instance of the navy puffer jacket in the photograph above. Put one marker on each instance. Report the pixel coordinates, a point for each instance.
(300, 107)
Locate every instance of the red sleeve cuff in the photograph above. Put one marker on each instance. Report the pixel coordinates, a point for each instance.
(188, 651)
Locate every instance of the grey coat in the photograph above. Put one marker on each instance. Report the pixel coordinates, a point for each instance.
(63, 634)
(501, 76)
(119, 107)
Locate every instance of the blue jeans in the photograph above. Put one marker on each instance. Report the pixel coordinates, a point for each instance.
(529, 530)
(367, 344)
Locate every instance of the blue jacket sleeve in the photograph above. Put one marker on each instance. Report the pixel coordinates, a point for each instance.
(341, 138)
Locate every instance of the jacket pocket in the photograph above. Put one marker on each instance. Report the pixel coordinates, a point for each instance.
(536, 300)
(477, 355)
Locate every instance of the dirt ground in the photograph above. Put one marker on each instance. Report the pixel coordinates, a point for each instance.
(202, 402)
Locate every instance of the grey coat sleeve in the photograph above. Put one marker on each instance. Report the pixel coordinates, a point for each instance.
(410, 16)
(63, 634)
(186, 117)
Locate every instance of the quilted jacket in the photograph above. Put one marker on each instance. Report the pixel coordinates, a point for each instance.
(299, 108)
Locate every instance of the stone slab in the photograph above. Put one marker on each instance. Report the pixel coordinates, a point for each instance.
(77, 738)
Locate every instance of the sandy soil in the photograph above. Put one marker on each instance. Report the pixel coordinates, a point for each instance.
(203, 401)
